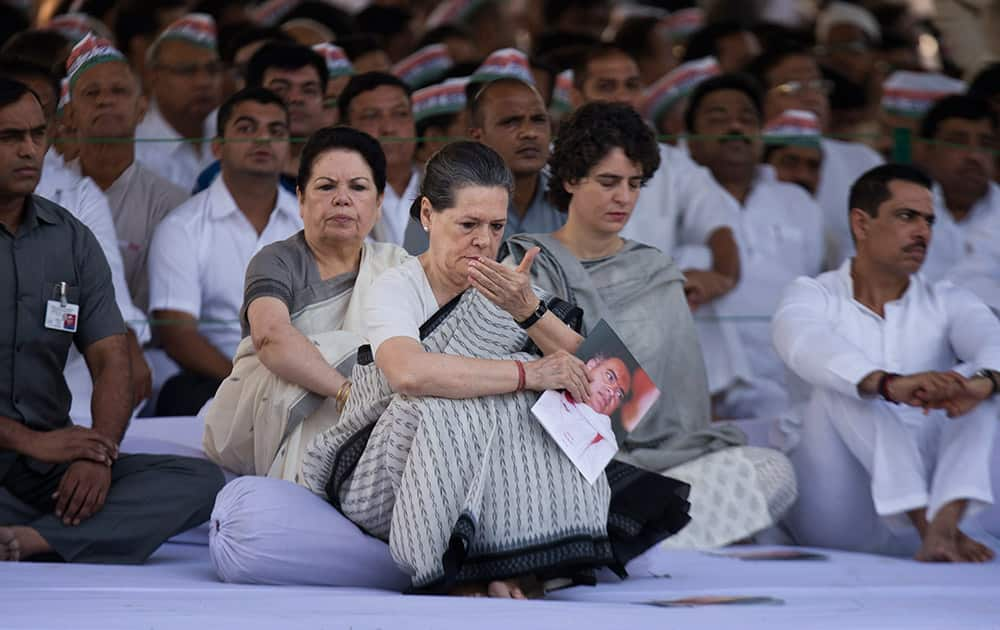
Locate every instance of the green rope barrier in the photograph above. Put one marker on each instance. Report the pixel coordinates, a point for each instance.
(902, 140)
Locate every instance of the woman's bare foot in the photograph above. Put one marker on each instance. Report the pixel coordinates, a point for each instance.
(973, 550)
(939, 547)
(506, 589)
(20, 543)
(10, 546)
(515, 588)
(475, 589)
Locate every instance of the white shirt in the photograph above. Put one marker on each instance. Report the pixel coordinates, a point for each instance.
(139, 199)
(199, 255)
(680, 206)
(843, 164)
(833, 341)
(177, 159)
(967, 252)
(84, 200)
(399, 303)
(780, 235)
(391, 226)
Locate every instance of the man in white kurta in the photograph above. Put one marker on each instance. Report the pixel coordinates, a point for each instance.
(961, 132)
(185, 77)
(895, 442)
(779, 231)
(792, 80)
(107, 104)
(379, 104)
(200, 251)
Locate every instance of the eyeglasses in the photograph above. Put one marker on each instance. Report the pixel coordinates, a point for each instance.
(212, 68)
(794, 88)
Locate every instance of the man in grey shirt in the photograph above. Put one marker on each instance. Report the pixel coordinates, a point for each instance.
(106, 107)
(65, 491)
(509, 116)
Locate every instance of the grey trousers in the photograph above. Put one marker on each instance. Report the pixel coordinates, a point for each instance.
(152, 497)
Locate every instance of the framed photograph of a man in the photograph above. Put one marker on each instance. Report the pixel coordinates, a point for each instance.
(621, 393)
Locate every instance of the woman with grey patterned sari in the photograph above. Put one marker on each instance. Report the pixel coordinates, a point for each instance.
(437, 451)
(604, 153)
(302, 313)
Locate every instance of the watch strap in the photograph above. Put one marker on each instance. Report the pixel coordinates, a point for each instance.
(534, 317)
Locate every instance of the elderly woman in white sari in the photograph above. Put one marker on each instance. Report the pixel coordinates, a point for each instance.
(437, 451)
(302, 313)
(604, 154)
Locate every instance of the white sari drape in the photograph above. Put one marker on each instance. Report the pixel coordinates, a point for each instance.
(259, 423)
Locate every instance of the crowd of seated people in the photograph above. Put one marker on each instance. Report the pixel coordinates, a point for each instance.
(358, 244)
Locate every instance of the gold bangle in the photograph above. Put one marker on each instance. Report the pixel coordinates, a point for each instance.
(342, 395)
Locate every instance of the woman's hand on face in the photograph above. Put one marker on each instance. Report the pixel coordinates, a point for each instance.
(560, 370)
(510, 289)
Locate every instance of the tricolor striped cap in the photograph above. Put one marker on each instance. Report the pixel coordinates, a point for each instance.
(453, 12)
(337, 63)
(911, 94)
(443, 98)
(793, 126)
(680, 24)
(272, 12)
(562, 90)
(194, 28)
(424, 67)
(74, 26)
(88, 52)
(502, 64)
(661, 96)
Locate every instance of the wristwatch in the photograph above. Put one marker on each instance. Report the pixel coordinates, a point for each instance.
(984, 373)
(534, 317)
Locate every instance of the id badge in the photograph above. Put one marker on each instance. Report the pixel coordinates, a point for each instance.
(60, 314)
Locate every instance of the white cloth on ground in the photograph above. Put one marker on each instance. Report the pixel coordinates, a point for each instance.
(160, 147)
(832, 342)
(270, 531)
(199, 256)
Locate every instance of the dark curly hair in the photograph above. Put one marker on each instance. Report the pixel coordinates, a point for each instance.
(589, 135)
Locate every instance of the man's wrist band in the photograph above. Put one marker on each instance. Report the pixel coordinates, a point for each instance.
(993, 379)
(540, 310)
(883, 387)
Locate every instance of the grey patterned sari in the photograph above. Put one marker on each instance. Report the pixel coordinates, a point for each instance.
(474, 490)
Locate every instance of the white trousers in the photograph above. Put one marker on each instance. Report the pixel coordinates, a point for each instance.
(862, 464)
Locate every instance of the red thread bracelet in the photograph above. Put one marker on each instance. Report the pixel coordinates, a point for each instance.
(521, 376)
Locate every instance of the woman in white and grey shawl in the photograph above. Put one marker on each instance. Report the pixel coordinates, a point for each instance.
(604, 153)
(302, 314)
(437, 451)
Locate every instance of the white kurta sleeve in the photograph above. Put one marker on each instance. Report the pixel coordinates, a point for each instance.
(395, 306)
(174, 277)
(703, 205)
(805, 338)
(973, 331)
(95, 213)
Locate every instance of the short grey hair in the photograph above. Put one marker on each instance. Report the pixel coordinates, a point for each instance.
(459, 165)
